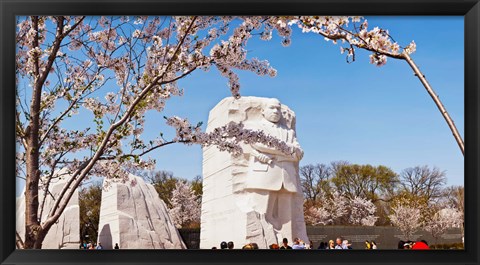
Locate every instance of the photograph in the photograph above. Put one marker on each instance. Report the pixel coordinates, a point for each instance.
(143, 132)
(339, 137)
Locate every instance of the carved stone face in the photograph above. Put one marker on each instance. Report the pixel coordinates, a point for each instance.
(272, 112)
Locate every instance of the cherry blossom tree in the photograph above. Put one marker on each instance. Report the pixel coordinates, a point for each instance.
(405, 199)
(185, 205)
(135, 64)
(331, 210)
(116, 69)
(338, 209)
(362, 212)
(454, 197)
(407, 219)
(442, 220)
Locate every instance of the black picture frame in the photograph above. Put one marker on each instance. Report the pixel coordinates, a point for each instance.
(470, 9)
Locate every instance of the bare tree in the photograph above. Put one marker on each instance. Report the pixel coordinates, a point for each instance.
(197, 185)
(315, 180)
(337, 165)
(423, 181)
(454, 197)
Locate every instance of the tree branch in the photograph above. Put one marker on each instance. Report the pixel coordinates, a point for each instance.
(73, 27)
(437, 101)
(59, 118)
(144, 152)
(405, 56)
(19, 242)
(55, 214)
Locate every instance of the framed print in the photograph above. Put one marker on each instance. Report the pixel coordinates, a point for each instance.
(162, 132)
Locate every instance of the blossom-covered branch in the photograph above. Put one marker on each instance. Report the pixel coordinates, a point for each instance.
(377, 40)
(226, 138)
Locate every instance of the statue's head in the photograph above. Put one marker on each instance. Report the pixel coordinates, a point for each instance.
(271, 110)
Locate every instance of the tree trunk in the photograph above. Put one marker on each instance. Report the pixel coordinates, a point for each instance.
(32, 224)
(35, 228)
(32, 220)
(437, 101)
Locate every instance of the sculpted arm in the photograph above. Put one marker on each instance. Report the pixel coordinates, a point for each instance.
(267, 150)
(298, 150)
(266, 154)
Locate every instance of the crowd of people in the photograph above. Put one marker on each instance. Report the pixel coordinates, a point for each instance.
(415, 245)
(339, 243)
(93, 246)
(225, 245)
(370, 245)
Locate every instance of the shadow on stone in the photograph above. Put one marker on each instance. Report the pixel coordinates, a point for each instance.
(105, 237)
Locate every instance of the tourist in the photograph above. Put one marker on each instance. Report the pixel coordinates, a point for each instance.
(331, 244)
(116, 246)
(374, 245)
(248, 247)
(322, 245)
(367, 245)
(99, 246)
(230, 245)
(339, 243)
(297, 244)
(254, 245)
(273, 246)
(83, 245)
(285, 244)
(302, 243)
(408, 245)
(310, 246)
(346, 245)
(223, 245)
(420, 245)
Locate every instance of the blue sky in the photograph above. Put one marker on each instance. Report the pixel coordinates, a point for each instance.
(355, 112)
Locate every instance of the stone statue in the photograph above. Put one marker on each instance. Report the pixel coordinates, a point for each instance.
(65, 233)
(255, 198)
(273, 182)
(134, 216)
